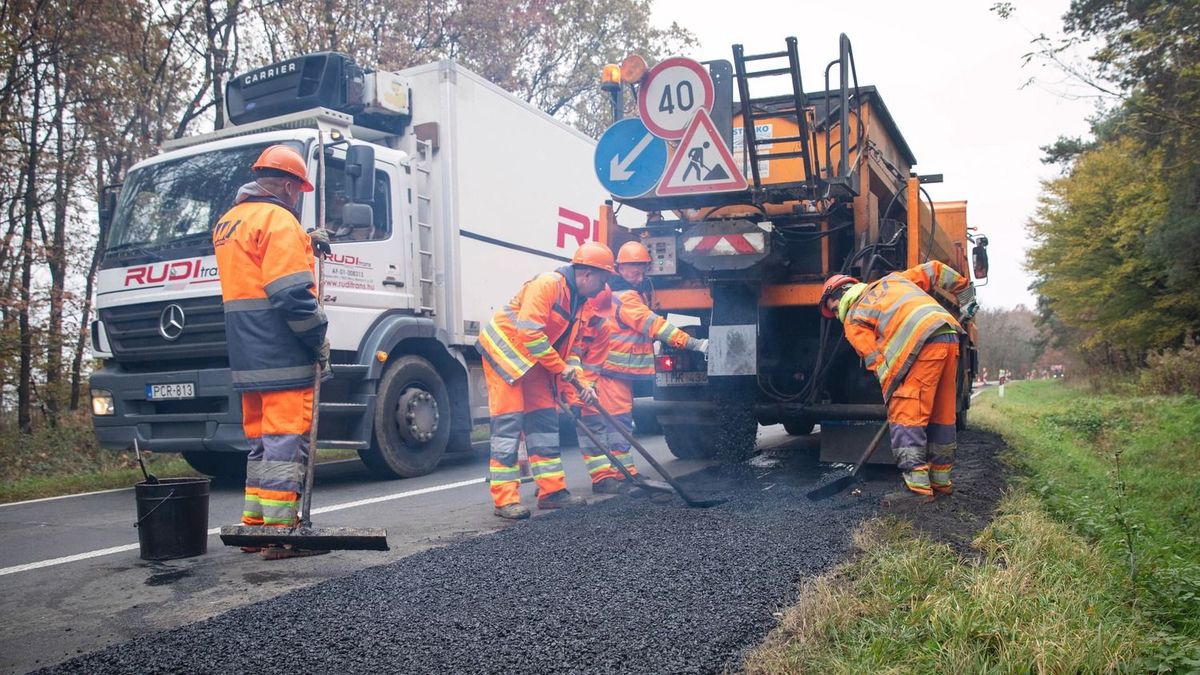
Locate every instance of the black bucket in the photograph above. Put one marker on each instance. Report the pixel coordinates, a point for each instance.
(172, 518)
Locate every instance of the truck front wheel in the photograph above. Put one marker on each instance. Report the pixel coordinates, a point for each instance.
(689, 441)
(412, 420)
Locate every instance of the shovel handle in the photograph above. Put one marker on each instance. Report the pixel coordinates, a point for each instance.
(866, 456)
(620, 466)
(641, 450)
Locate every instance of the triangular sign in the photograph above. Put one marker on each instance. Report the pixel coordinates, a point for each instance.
(702, 162)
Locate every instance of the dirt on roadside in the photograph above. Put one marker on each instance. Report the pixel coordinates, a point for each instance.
(980, 478)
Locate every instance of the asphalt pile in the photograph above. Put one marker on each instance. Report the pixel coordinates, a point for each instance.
(622, 586)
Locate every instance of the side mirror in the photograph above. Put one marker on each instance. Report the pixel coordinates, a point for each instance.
(357, 215)
(980, 258)
(360, 174)
(108, 205)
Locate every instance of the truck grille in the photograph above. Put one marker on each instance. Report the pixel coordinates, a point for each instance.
(135, 335)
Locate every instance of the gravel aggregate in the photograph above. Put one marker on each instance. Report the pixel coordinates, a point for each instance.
(621, 586)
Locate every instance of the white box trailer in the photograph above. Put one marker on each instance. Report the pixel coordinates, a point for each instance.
(474, 192)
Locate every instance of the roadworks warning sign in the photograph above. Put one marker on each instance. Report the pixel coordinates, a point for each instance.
(702, 162)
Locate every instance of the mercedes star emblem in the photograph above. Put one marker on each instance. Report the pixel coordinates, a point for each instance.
(170, 322)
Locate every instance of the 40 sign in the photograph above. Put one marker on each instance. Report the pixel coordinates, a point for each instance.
(674, 90)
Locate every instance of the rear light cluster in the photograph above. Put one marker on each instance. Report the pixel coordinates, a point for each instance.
(680, 361)
(664, 364)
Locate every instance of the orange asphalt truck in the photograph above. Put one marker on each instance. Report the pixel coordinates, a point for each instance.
(780, 193)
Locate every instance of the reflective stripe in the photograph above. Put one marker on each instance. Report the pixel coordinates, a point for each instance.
(288, 281)
(247, 305)
(902, 338)
(542, 440)
(630, 360)
(272, 374)
(539, 347)
(311, 322)
(561, 311)
(506, 349)
(628, 337)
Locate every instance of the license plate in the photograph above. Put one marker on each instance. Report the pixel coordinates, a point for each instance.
(175, 390)
(688, 377)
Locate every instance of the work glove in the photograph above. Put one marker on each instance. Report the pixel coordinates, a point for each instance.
(588, 396)
(701, 346)
(320, 241)
(969, 309)
(323, 361)
(573, 376)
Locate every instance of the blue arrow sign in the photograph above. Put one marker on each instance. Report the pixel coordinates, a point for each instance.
(629, 159)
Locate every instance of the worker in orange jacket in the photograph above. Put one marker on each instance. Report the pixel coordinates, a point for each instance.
(523, 349)
(275, 331)
(911, 344)
(622, 353)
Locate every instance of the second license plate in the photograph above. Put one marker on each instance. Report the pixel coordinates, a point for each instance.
(685, 378)
(175, 390)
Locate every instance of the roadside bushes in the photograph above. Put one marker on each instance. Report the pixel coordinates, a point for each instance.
(1173, 371)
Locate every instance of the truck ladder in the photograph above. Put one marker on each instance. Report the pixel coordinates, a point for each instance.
(750, 142)
(425, 239)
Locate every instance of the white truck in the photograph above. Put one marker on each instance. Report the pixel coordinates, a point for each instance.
(443, 193)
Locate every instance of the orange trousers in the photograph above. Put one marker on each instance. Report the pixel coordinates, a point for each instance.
(276, 424)
(616, 397)
(525, 407)
(922, 413)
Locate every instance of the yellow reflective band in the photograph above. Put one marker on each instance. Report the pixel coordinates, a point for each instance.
(284, 503)
(493, 331)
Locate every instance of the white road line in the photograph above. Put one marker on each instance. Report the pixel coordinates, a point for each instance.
(324, 509)
(976, 394)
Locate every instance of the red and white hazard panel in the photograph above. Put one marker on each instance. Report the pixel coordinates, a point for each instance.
(726, 244)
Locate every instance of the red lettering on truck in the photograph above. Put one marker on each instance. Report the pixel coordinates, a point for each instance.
(577, 226)
(177, 270)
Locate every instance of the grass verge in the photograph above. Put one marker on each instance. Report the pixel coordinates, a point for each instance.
(1092, 563)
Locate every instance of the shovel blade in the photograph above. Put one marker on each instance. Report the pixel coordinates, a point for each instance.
(327, 538)
(827, 491)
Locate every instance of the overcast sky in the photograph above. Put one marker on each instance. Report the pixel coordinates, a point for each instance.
(950, 73)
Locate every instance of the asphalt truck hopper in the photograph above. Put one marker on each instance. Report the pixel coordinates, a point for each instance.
(842, 441)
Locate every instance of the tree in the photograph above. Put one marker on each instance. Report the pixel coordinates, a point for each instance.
(1008, 339)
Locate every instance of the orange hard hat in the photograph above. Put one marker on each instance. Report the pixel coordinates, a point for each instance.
(633, 252)
(594, 254)
(284, 158)
(832, 284)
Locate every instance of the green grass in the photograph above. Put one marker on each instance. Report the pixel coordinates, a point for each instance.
(1091, 565)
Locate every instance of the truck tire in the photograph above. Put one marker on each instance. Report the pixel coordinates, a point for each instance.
(645, 423)
(799, 427)
(412, 420)
(688, 441)
(230, 465)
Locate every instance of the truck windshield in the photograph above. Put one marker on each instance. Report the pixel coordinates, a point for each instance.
(175, 203)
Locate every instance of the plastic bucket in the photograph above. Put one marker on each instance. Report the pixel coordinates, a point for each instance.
(172, 518)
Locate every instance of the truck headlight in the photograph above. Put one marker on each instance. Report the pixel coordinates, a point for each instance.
(102, 403)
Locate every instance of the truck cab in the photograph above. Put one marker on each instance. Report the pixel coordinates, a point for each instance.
(412, 183)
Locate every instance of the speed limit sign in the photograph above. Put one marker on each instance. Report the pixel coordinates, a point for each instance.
(675, 89)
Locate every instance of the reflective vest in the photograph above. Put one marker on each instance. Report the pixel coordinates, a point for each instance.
(273, 324)
(590, 347)
(635, 328)
(536, 326)
(895, 316)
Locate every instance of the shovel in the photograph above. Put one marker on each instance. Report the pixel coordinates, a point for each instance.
(644, 483)
(689, 500)
(827, 491)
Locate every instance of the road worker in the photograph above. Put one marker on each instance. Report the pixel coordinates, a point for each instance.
(911, 344)
(523, 349)
(275, 331)
(627, 355)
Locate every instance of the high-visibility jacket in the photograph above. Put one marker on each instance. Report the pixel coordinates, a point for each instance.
(536, 327)
(273, 324)
(895, 316)
(591, 345)
(636, 327)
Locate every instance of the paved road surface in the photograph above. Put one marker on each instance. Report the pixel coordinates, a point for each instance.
(71, 580)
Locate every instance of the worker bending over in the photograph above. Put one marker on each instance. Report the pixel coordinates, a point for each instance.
(911, 344)
(523, 349)
(275, 331)
(626, 355)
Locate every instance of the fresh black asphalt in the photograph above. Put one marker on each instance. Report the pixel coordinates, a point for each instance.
(621, 586)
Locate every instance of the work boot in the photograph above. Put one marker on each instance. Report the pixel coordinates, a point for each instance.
(289, 551)
(610, 486)
(251, 549)
(514, 511)
(561, 500)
